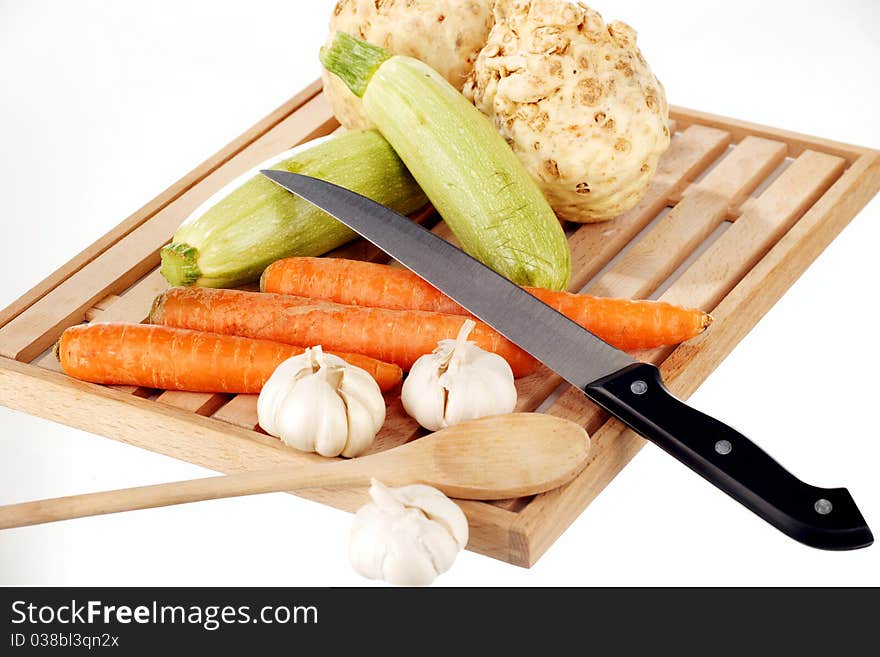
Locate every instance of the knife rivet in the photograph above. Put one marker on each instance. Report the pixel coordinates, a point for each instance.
(723, 447)
(823, 507)
(639, 387)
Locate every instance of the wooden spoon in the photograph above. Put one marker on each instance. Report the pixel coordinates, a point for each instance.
(492, 458)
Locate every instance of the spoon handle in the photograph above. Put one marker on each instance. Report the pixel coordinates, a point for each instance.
(345, 473)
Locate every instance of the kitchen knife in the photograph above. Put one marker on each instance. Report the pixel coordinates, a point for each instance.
(630, 390)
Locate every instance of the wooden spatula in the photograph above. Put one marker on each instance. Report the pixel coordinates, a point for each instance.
(491, 458)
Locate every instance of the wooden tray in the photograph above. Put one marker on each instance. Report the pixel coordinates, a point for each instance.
(736, 213)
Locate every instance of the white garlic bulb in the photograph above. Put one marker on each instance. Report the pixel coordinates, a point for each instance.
(317, 402)
(458, 381)
(406, 536)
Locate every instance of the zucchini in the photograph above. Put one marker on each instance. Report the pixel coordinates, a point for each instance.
(257, 223)
(467, 170)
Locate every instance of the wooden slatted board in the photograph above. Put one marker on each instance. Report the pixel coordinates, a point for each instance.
(735, 214)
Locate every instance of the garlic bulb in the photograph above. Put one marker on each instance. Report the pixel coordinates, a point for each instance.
(406, 536)
(459, 381)
(317, 402)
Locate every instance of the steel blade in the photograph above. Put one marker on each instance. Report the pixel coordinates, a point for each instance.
(571, 351)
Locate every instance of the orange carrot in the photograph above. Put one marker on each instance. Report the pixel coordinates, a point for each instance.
(355, 283)
(393, 336)
(178, 359)
(625, 323)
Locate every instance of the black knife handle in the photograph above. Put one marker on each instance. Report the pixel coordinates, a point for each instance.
(826, 518)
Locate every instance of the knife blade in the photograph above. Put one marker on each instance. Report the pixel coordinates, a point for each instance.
(630, 390)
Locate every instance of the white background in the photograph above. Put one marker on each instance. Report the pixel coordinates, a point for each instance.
(104, 104)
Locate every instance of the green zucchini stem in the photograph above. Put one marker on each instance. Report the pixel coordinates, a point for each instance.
(180, 264)
(353, 60)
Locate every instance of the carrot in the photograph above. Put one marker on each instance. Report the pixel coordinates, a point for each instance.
(356, 283)
(178, 359)
(394, 336)
(625, 323)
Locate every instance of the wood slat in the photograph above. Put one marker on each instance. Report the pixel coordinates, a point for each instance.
(241, 411)
(134, 304)
(665, 247)
(594, 245)
(761, 224)
(137, 253)
(203, 403)
(101, 305)
(797, 142)
(48, 361)
(200, 403)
